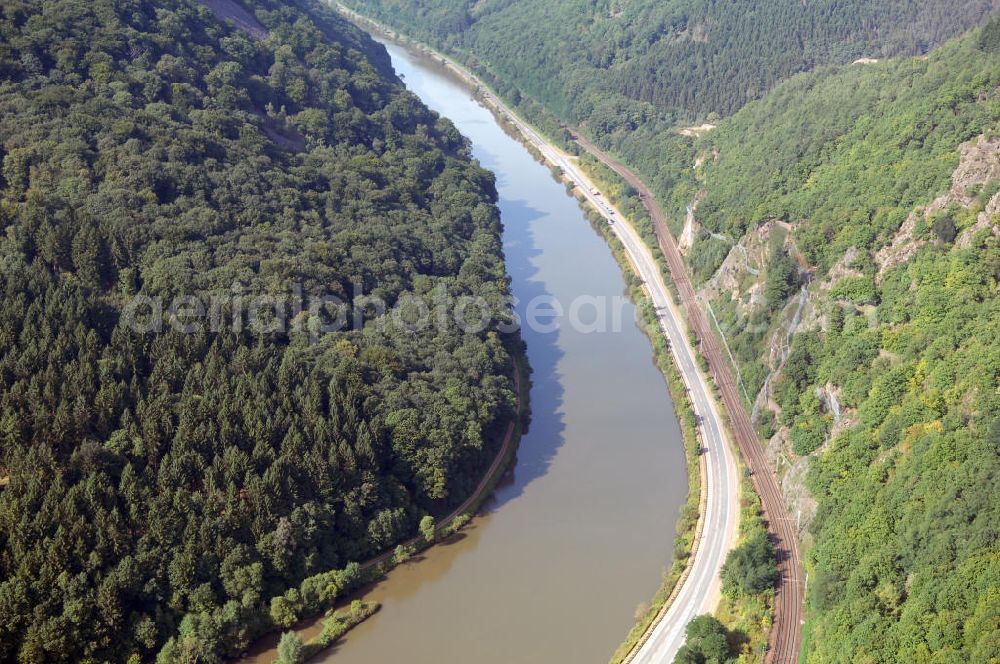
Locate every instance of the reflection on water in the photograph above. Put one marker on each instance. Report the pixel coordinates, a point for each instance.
(579, 533)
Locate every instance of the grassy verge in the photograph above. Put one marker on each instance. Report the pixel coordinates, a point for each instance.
(623, 197)
(807, 633)
(747, 617)
(338, 624)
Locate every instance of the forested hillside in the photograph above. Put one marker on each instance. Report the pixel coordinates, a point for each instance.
(628, 70)
(591, 60)
(876, 187)
(629, 73)
(840, 157)
(157, 490)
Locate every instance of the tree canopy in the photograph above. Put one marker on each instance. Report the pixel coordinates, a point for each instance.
(630, 73)
(705, 642)
(175, 492)
(900, 328)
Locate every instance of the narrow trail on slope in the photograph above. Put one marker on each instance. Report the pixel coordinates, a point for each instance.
(227, 10)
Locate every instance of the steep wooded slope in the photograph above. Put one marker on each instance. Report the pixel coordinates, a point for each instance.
(877, 186)
(161, 485)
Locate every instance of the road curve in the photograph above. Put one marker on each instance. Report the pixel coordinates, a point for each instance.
(700, 588)
(785, 638)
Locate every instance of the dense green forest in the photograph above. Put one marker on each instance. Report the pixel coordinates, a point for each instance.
(842, 156)
(887, 177)
(157, 491)
(874, 186)
(628, 72)
(590, 61)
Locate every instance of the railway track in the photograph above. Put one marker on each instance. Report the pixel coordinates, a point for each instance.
(785, 638)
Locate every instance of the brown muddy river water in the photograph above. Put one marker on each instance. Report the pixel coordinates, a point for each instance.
(578, 535)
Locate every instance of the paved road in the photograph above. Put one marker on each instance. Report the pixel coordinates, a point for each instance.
(785, 637)
(699, 592)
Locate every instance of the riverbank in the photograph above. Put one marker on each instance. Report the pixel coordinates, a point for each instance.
(748, 616)
(691, 520)
(460, 516)
(690, 530)
(320, 623)
(599, 479)
(784, 634)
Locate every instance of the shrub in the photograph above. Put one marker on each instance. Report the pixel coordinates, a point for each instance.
(750, 568)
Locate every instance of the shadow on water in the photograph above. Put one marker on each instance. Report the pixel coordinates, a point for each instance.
(538, 445)
(522, 250)
(546, 433)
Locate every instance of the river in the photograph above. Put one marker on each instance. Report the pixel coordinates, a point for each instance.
(578, 535)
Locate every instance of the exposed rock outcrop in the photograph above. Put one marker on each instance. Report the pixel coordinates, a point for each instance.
(691, 226)
(978, 167)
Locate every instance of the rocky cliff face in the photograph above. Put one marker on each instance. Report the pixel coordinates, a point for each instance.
(978, 174)
(970, 206)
